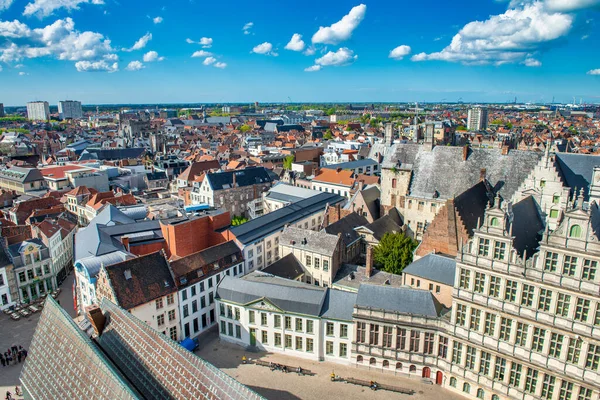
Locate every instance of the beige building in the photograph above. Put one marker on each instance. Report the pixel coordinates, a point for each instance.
(434, 273)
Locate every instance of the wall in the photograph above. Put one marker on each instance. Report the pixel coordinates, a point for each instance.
(444, 295)
(194, 235)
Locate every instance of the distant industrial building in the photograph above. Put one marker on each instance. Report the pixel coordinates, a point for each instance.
(38, 111)
(477, 119)
(70, 109)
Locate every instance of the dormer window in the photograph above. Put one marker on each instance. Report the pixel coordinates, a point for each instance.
(542, 183)
(575, 231)
(494, 222)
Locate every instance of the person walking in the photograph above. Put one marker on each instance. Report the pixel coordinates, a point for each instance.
(8, 395)
(2, 360)
(19, 356)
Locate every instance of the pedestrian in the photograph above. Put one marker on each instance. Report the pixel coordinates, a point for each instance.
(2, 360)
(19, 356)
(8, 395)
(14, 350)
(17, 391)
(24, 354)
(8, 360)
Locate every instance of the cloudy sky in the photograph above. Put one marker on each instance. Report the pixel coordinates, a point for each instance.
(109, 51)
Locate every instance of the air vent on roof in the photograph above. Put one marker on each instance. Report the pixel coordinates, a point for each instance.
(166, 283)
(127, 274)
(351, 276)
(387, 282)
(183, 280)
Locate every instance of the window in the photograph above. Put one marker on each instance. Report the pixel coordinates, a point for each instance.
(480, 394)
(494, 222)
(277, 321)
(265, 337)
(531, 380)
(562, 304)
(202, 302)
(325, 265)
(569, 264)
(171, 315)
(387, 336)
(159, 303)
(170, 299)
(556, 199)
(308, 261)
(394, 183)
(193, 290)
(479, 282)
(298, 324)
(505, 327)
(343, 350)
(556, 342)
(443, 347)
(490, 324)
(539, 335)
(484, 247)
(457, 353)
(453, 382)
(499, 368)
(317, 261)
(553, 213)
(329, 348)
(566, 390)
(475, 319)
(288, 341)
(211, 298)
(499, 250)
(584, 394)
(288, 323)
(545, 300)
(428, 345)
(574, 351)
(277, 339)
(582, 309)
(263, 319)
(299, 343)
(461, 314)
(415, 337)
(550, 261)
(548, 386)
(309, 345)
(160, 320)
(251, 316)
(527, 295)
(494, 290)
(484, 364)
(542, 183)
(471, 355)
(343, 330)
(400, 338)
(195, 307)
(361, 328)
(173, 333)
(589, 270)
(374, 335)
(515, 374)
(186, 311)
(575, 231)
(510, 292)
(466, 388)
(593, 357)
(521, 337)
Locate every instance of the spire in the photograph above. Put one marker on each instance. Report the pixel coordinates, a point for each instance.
(497, 201)
(580, 199)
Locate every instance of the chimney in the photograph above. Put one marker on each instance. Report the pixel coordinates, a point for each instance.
(338, 212)
(339, 169)
(125, 241)
(97, 319)
(505, 150)
(369, 263)
(482, 174)
(465, 152)
(233, 180)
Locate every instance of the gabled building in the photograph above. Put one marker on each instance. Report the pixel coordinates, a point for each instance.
(22, 180)
(336, 181)
(32, 266)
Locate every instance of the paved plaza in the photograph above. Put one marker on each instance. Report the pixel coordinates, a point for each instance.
(291, 386)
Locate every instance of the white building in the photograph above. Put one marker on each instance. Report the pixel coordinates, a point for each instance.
(58, 237)
(6, 276)
(70, 109)
(477, 119)
(288, 317)
(38, 111)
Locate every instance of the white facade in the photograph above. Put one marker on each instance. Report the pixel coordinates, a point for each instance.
(160, 314)
(477, 119)
(340, 189)
(197, 302)
(5, 298)
(38, 111)
(70, 109)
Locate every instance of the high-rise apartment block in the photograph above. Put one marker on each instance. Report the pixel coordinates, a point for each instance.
(38, 111)
(1, 110)
(477, 119)
(70, 109)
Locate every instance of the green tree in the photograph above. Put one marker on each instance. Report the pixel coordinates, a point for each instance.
(328, 135)
(394, 252)
(287, 162)
(461, 128)
(245, 128)
(238, 220)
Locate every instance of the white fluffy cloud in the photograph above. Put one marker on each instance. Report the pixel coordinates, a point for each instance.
(201, 53)
(341, 30)
(400, 52)
(264, 48)
(309, 51)
(152, 56)
(594, 72)
(206, 42)
(532, 62)
(4, 4)
(44, 8)
(96, 66)
(560, 5)
(314, 68)
(134, 66)
(221, 65)
(209, 60)
(157, 20)
(296, 43)
(248, 27)
(140, 43)
(59, 40)
(343, 56)
(506, 38)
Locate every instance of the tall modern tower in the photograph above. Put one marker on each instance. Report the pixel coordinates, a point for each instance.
(38, 111)
(70, 109)
(477, 119)
(1, 110)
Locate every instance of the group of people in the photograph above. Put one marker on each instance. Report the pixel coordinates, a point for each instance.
(9, 394)
(15, 354)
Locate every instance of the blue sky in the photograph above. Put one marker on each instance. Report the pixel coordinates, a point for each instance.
(126, 51)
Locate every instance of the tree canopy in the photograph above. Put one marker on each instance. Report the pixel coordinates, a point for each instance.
(245, 128)
(287, 162)
(394, 252)
(238, 220)
(328, 135)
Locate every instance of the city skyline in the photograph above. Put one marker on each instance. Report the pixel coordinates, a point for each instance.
(491, 51)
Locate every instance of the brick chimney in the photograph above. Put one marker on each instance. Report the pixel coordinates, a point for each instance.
(233, 185)
(505, 149)
(465, 153)
(482, 174)
(97, 319)
(369, 261)
(125, 241)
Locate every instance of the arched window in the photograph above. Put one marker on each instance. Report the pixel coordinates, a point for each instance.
(556, 198)
(453, 382)
(575, 231)
(413, 368)
(398, 365)
(495, 397)
(359, 359)
(553, 213)
(542, 183)
(480, 393)
(386, 364)
(372, 361)
(494, 222)
(466, 388)
(394, 183)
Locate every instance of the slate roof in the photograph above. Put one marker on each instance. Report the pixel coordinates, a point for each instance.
(471, 204)
(434, 267)
(287, 267)
(246, 177)
(527, 226)
(338, 305)
(276, 220)
(112, 154)
(197, 168)
(306, 239)
(149, 278)
(402, 300)
(225, 254)
(387, 223)
(346, 226)
(576, 170)
(291, 296)
(289, 193)
(156, 175)
(22, 175)
(93, 263)
(353, 164)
